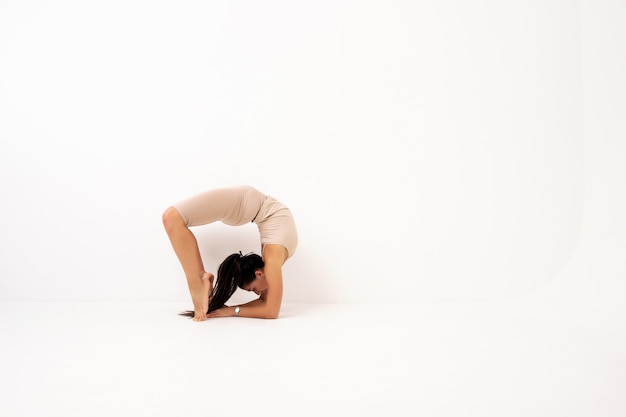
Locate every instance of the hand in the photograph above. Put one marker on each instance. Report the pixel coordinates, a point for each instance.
(222, 312)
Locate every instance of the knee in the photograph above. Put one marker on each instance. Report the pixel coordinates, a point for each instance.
(172, 219)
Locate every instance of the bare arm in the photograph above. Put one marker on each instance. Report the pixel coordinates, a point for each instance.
(267, 306)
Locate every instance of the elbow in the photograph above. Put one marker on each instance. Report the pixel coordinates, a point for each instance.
(271, 310)
(272, 314)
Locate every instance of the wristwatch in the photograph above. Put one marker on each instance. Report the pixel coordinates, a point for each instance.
(237, 311)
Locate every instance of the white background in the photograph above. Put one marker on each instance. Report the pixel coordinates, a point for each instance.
(430, 151)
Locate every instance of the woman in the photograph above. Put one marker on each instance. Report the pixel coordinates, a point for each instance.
(234, 206)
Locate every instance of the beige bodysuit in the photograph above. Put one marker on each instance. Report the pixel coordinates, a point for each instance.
(239, 205)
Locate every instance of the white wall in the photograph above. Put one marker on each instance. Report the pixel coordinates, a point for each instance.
(589, 291)
(604, 66)
(429, 150)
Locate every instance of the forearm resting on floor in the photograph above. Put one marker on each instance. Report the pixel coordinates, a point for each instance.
(258, 309)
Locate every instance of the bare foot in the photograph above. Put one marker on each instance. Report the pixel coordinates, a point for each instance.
(201, 298)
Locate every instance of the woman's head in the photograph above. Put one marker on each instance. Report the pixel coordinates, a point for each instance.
(237, 271)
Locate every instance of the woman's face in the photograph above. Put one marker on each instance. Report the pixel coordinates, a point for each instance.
(259, 285)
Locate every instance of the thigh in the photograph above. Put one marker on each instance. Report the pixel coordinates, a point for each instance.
(207, 207)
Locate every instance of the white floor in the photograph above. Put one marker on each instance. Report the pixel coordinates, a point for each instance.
(400, 360)
(560, 352)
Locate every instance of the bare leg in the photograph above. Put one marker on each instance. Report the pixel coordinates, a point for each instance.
(185, 246)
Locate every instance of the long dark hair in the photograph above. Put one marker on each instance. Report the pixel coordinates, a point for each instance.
(236, 271)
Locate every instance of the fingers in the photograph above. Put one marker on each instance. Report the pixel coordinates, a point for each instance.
(216, 313)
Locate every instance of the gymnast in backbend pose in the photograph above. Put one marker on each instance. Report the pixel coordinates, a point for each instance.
(234, 206)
